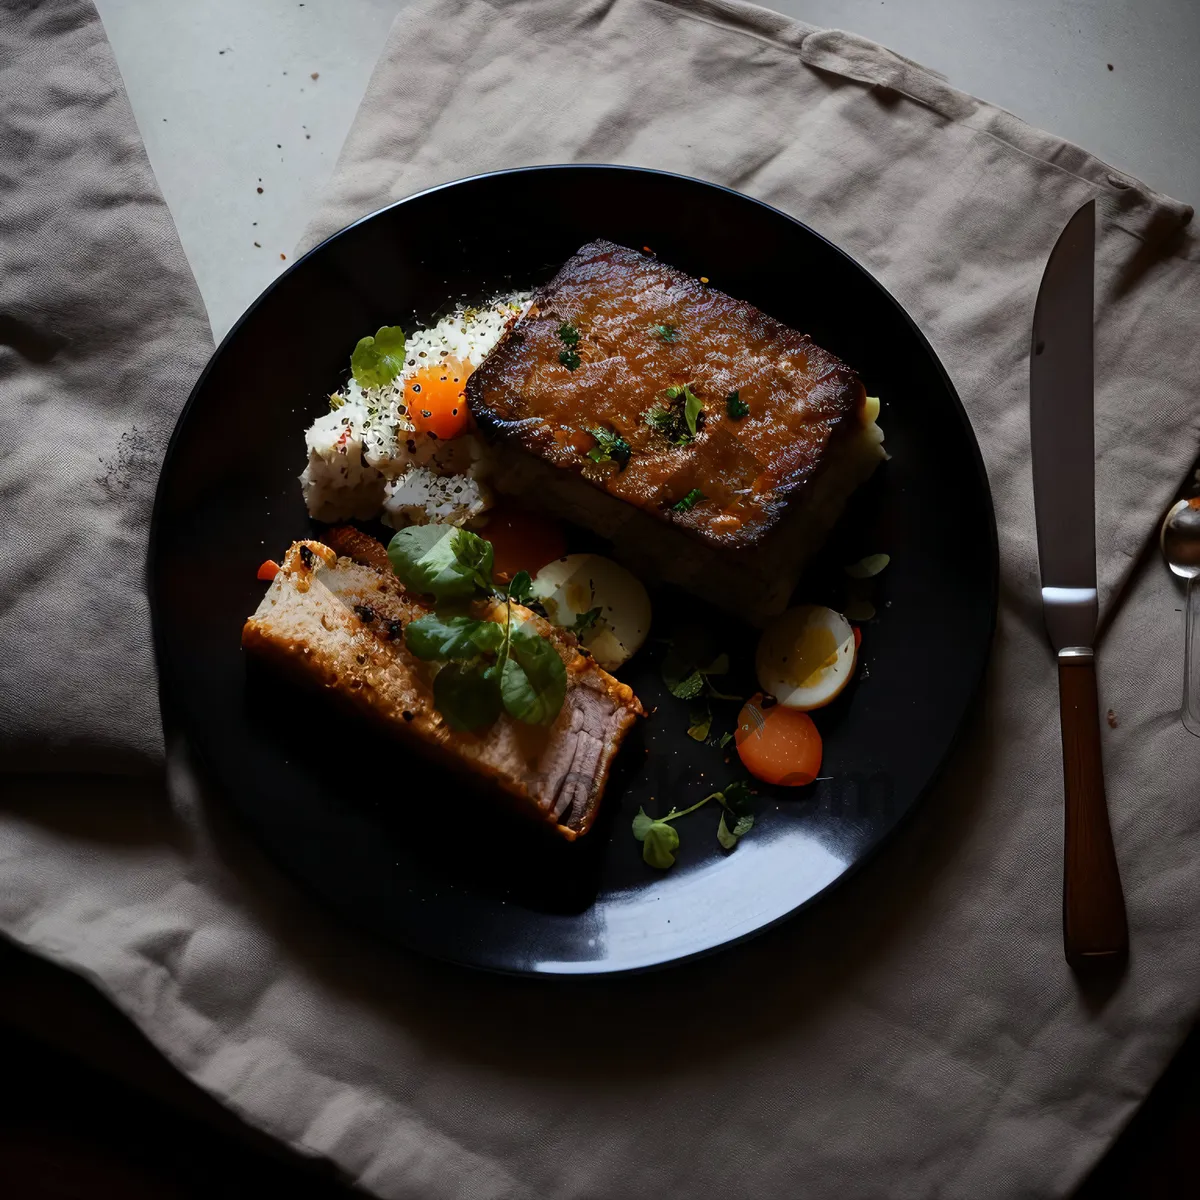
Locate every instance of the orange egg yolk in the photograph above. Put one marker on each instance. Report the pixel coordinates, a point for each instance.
(435, 401)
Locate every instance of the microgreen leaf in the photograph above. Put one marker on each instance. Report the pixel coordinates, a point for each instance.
(736, 407)
(442, 561)
(689, 687)
(466, 695)
(584, 621)
(609, 446)
(641, 824)
(726, 738)
(377, 360)
(867, 567)
(520, 587)
(699, 723)
(569, 334)
(659, 844)
(533, 680)
(729, 837)
(692, 408)
(666, 333)
(437, 638)
(569, 359)
(688, 502)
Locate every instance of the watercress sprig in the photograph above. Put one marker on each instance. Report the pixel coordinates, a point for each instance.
(660, 839)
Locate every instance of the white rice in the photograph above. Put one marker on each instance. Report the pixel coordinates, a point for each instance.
(364, 458)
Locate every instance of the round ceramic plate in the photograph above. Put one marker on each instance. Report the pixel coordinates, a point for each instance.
(397, 846)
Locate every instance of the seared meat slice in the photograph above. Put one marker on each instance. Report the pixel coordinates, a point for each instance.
(645, 329)
(338, 624)
(707, 439)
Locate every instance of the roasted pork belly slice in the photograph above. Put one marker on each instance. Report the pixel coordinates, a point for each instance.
(337, 623)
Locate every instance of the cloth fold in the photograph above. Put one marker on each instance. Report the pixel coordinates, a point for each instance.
(102, 334)
(917, 1033)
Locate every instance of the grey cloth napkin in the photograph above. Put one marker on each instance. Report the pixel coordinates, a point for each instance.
(915, 1034)
(102, 334)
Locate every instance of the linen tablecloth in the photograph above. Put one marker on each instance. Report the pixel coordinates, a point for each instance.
(917, 1033)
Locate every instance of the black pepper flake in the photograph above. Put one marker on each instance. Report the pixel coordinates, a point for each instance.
(360, 659)
(306, 557)
(395, 630)
(365, 612)
(412, 446)
(407, 715)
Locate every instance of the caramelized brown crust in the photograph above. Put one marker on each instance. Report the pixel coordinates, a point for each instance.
(645, 327)
(337, 624)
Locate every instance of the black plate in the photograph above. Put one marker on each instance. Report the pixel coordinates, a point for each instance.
(392, 844)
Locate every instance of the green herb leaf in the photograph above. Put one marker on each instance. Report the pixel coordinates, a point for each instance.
(736, 797)
(736, 407)
(692, 408)
(377, 360)
(569, 359)
(669, 422)
(659, 844)
(437, 638)
(699, 723)
(867, 567)
(442, 561)
(689, 687)
(520, 587)
(533, 680)
(666, 333)
(584, 621)
(609, 446)
(569, 334)
(729, 837)
(726, 738)
(641, 824)
(467, 695)
(688, 502)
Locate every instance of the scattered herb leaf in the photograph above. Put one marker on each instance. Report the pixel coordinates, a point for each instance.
(689, 687)
(729, 837)
(442, 561)
(660, 840)
(569, 359)
(584, 622)
(692, 408)
(670, 423)
(520, 588)
(466, 695)
(569, 334)
(726, 738)
(666, 333)
(609, 447)
(533, 680)
(659, 845)
(688, 502)
(736, 407)
(377, 360)
(699, 723)
(868, 567)
(433, 638)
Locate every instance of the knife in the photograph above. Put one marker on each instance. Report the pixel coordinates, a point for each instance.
(1061, 418)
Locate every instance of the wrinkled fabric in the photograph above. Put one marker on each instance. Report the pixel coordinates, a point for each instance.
(915, 1034)
(102, 334)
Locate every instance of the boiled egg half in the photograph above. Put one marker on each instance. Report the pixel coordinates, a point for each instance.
(806, 657)
(574, 586)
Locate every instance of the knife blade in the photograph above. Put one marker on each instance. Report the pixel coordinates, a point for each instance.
(1062, 441)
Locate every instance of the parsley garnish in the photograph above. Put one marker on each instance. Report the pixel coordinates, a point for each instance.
(736, 406)
(584, 621)
(660, 839)
(679, 423)
(489, 666)
(666, 333)
(569, 334)
(569, 359)
(694, 497)
(377, 360)
(609, 447)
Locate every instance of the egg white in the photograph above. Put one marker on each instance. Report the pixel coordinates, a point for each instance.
(783, 645)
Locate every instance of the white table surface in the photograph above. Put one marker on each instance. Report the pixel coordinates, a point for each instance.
(224, 93)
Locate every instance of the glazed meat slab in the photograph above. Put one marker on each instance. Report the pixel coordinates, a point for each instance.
(605, 353)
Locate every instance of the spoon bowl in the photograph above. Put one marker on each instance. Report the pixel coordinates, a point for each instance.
(1180, 542)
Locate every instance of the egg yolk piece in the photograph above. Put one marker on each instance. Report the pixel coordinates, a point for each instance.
(778, 745)
(435, 400)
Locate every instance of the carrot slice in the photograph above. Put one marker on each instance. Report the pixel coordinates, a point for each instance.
(268, 570)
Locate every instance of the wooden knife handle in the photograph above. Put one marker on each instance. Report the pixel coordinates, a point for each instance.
(1095, 933)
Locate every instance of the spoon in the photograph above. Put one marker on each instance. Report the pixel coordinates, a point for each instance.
(1180, 542)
